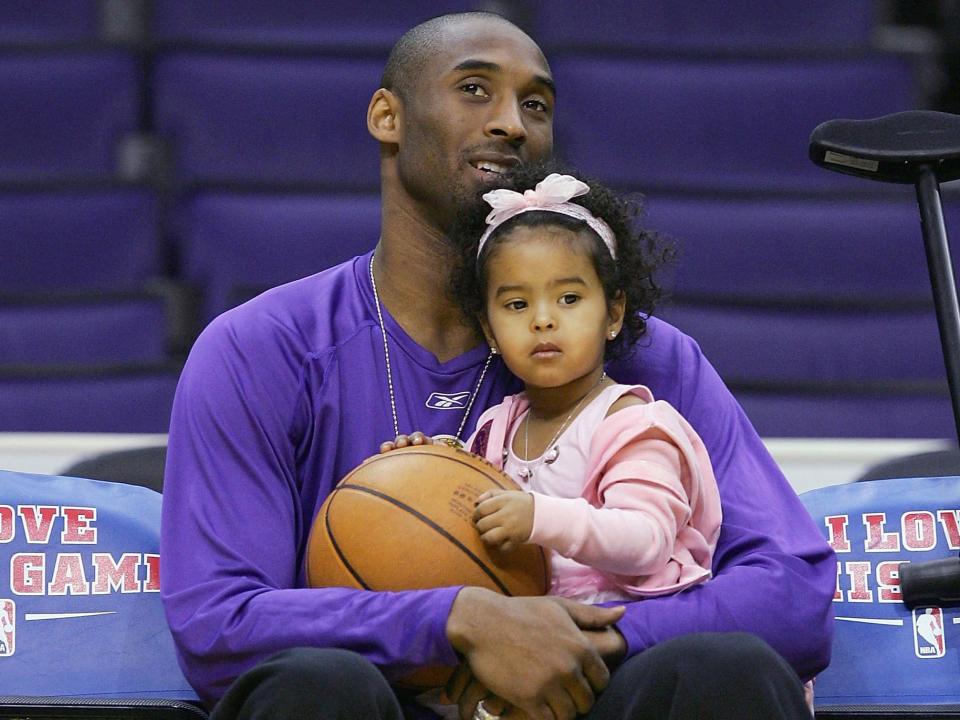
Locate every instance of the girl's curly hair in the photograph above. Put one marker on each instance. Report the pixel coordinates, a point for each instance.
(639, 251)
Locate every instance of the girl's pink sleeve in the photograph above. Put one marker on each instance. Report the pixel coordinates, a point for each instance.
(632, 533)
(650, 512)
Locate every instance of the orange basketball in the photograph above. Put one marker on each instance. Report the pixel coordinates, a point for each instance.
(402, 521)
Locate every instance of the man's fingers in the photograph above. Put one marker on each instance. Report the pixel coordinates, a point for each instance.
(581, 693)
(595, 670)
(591, 617)
(458, 682)
(472, 694)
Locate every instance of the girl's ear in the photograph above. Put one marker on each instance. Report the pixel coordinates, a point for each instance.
(616, 310)
(488, 334)
(383, 116)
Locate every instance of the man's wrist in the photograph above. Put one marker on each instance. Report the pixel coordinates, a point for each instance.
(463, 616)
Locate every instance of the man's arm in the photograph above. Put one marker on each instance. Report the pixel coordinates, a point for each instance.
(234, 521)
(774, 574)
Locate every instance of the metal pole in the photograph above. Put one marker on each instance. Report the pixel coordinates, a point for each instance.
(941, 278)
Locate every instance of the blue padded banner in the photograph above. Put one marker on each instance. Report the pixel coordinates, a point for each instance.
(884, 653)
(80, 611)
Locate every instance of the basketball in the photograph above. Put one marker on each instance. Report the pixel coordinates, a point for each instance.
(402, 521)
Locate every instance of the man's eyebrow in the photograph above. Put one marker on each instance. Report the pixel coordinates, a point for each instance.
(473, 64)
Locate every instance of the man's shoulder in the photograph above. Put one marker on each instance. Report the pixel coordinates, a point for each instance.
(309, 315)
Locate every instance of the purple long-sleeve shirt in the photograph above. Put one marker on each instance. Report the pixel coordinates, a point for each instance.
(282, 396)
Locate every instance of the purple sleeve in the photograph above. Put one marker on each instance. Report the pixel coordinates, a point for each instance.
(774, 574)
(232, 528)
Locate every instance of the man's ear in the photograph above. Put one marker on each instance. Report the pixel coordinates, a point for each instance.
(383, 116)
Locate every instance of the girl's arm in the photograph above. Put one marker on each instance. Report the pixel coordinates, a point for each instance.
(634, 531)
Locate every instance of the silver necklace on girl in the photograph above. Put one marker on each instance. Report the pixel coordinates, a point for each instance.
(552, 452)
(451, 440)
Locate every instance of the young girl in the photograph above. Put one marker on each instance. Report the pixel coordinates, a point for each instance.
(615, 482)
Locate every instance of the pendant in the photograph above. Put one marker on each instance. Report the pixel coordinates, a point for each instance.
(450, 440)
(525, 473)
(551, 455)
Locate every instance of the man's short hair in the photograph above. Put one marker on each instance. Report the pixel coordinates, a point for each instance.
(411, 52)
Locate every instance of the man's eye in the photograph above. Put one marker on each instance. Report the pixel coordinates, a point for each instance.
(474, 89)
(538, 105)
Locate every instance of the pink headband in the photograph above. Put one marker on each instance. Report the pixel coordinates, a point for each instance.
(552, 194)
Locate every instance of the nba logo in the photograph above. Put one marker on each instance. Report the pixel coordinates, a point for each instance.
(928, 637)
(8, 619)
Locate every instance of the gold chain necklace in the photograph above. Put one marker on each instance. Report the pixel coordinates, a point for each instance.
(551, 452)
(452, 440)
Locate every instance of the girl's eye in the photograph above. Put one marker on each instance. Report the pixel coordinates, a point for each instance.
(474, 89)
(569, 299)
(516, 305)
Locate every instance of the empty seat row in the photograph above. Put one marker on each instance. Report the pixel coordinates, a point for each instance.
(684, 25)
(640, 123)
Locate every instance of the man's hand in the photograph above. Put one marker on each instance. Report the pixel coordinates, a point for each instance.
(400, 441)
(531, 651)
(504, 518)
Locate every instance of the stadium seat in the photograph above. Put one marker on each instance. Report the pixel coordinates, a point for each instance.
(833, 412)
(67, 112)
(685, 26)
(797, 344)
(130, 328)
(721, 124)
(26, 22)
(786, 249)
(268, 119)
(234, 245)
(79, 240)
(339, 27)
(125, 399)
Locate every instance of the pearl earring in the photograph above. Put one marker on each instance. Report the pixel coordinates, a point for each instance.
(613, 334)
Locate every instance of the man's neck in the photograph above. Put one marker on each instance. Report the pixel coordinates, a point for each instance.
(412, 266)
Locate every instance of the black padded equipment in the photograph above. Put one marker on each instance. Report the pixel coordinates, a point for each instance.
(890, 148)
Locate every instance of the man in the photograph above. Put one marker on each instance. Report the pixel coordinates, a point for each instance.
(284, 395)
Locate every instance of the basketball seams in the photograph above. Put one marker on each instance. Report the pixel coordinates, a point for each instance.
(425, 450)
(335, 546)
(433, 525)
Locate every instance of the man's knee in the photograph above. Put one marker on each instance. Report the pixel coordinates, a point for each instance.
(310, 683)
(721, 675)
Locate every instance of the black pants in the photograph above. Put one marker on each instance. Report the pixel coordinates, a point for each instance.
(709, 675)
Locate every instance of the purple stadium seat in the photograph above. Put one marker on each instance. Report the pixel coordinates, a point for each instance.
(692, 26)
(736, 124)
(234, 245)
(79, 240)
(838, 414)
(782, 344)
(62, 114)
(50, 21)
(133, 329)
(134, 399)
(294, 23)
(268, 119)
(789, 248)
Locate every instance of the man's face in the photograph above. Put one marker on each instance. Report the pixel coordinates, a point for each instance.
(482, 104)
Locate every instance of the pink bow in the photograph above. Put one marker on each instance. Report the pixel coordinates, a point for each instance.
(554, 189)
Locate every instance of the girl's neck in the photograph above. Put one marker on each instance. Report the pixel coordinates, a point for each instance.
(548, 404)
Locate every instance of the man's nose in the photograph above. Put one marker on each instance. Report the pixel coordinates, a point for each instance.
(507, 122)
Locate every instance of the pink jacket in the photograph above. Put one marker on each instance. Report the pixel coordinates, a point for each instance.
(648, 516)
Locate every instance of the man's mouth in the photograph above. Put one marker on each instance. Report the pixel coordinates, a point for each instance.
(490, 168)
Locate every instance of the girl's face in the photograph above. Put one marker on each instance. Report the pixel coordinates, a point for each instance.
(546, 309)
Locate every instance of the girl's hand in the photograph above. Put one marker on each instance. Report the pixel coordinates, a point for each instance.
(504, 518)
(414, 438)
